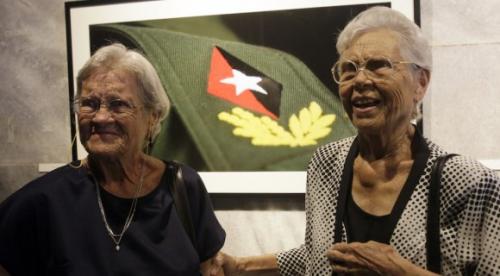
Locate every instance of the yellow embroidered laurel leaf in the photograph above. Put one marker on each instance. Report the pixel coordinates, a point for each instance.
(223, 116)
(242, 113)
(324, 121)
(307, 142)
(294, 126)
(266, 120)
(305, 119)
(318, 133)
(266, 141)
(226, 117)
(315, 110)
(275, 128)
(305, 128)
(259, 142)
(287, 136)
(244, 132)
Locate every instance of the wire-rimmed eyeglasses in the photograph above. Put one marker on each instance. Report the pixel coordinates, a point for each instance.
(346, 70)
(116, 107)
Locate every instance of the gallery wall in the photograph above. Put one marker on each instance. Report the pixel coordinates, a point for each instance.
(460, 113)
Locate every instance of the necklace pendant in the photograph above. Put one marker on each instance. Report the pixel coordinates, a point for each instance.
(117, 247)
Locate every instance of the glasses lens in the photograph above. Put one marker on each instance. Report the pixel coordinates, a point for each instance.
(86, 105)
(118, 106)
(346, 70)
(378, 65)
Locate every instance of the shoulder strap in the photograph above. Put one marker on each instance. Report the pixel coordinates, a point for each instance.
(181, 200)
(433, 242)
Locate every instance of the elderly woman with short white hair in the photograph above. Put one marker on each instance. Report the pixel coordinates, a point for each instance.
(389, 201)
(118, 211)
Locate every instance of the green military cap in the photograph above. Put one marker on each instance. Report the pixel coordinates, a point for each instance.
(236, 106)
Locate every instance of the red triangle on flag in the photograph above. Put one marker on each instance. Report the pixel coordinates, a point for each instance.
(220, 69)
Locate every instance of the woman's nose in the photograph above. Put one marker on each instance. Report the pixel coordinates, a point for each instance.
(361, 75)
(363, 79)
(102, 114)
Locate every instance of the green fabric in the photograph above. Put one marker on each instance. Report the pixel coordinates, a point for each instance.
(194, 134)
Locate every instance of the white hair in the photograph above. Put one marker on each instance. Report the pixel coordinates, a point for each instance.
(414, 46)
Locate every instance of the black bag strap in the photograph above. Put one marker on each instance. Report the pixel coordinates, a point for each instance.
(181, 200)
(433, 243)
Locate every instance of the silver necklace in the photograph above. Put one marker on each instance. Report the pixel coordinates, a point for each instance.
(117, 238)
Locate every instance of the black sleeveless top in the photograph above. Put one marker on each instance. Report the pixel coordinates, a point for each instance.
(361, 226)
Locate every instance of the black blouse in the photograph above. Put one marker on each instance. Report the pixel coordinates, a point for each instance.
(53, 226)
(361, 226)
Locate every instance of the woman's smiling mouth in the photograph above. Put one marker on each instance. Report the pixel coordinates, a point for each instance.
(364, 104)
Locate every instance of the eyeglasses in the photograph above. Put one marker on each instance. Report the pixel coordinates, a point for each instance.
(346, 70)
(90, 106)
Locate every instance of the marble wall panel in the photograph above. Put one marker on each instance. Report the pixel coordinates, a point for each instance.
(34, 114)
(464, 22)
(463, 103)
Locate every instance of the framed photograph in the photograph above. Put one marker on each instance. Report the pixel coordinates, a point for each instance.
(249, 81)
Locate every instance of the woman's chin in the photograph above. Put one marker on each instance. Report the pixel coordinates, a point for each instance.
(104, 151)
(367, 125)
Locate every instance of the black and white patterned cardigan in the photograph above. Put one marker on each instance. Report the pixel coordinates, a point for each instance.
(469, 225)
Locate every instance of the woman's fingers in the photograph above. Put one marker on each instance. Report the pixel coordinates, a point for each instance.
(346, 262)
(217, 263)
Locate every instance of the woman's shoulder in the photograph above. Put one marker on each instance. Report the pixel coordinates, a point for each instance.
(344, 143)
(459, 163)
(52, 180)
(333, 150)
(463, 172)
(53, 184)
(191, 178)
(467, 170)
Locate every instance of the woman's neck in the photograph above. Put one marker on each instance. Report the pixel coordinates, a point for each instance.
(118, 170)
(381, 169)
(392, 146)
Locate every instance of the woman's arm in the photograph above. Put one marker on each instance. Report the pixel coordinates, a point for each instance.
(264, 265)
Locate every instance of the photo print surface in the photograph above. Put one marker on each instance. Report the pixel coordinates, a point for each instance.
(251, 89)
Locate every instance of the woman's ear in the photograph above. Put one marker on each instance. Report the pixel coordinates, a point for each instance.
(423, 79)
(153, 120)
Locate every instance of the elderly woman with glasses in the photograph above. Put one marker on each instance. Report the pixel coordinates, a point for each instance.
(114, 212)
(367, 204)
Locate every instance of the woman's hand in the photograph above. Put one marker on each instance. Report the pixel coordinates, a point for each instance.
(370, 258)
(211, 267)
(224, 264)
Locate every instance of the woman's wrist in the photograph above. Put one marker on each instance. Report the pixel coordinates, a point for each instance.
(257, 265)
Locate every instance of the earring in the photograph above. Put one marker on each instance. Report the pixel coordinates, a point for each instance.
(149, 143)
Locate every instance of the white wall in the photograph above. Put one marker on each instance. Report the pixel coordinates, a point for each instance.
(462, 109)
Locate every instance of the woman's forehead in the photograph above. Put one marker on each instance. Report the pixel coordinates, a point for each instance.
(111, 82)
(381, 42)
(111, 78)
(111, 75)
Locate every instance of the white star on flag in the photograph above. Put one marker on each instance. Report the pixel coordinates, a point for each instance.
(243, 82)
